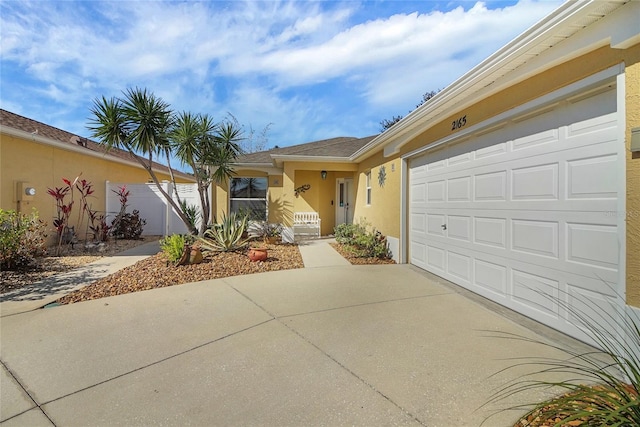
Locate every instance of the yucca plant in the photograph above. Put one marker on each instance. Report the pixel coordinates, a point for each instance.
(604, 384)
(227, 235)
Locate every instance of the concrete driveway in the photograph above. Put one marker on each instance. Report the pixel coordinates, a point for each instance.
(331, 346)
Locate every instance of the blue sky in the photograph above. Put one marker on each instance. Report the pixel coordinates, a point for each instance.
(310, 69)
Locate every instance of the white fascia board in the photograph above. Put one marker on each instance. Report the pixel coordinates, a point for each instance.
(280, 159)
(626, 31)
(76, 149)
(468, 89)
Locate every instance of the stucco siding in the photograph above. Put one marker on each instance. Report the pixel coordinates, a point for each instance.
(44, 166)
(632, 214)
(384, 211)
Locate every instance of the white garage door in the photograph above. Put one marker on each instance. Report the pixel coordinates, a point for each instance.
(524, 210)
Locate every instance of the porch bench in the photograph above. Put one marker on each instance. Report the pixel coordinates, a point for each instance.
(309, 221)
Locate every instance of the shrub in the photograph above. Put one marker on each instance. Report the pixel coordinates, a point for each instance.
(128, 226)
(22, 238)
(226, 235)
(361, 242)
(173, 246)
(346, 233)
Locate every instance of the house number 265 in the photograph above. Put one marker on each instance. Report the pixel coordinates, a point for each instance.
(457, 124)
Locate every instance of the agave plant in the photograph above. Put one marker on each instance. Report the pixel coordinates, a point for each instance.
(226, 235)
(604, 384)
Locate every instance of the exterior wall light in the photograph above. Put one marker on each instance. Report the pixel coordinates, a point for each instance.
(29, 191)
(323, 174)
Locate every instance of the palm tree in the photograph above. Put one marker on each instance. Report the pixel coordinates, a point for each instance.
(209, 149)
(138, 123)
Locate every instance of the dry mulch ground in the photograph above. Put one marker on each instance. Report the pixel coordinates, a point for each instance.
(158, 272)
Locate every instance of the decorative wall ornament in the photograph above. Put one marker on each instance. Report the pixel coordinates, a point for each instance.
(301, 189)
(382, 176)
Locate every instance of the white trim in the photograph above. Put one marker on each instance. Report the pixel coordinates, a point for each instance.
(513, 114)
(404, 209)
(394, 247)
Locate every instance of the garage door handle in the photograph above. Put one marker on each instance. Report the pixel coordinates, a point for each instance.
(444, 226)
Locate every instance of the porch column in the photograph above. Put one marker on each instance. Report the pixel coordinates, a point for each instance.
(288, 186)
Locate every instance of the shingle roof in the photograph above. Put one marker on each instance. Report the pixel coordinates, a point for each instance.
(25, 124)
(334, 147)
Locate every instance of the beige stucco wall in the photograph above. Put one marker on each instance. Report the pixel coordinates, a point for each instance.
(321, 195)
(632, 90)
(43, 166)
(384, 211)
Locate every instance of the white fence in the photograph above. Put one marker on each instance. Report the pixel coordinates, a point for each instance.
(154, 208)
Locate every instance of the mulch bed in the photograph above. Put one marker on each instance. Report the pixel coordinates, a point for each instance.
(345, 251)
(158, 272)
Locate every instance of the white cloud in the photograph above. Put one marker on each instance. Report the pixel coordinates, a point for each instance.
(209, 56)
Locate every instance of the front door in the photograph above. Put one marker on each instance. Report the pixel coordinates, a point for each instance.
(344, 201)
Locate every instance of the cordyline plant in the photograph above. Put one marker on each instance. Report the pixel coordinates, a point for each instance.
(97, 223)
(63, 209)
(606, 390)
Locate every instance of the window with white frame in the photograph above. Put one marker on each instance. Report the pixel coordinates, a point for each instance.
(368, 185)
(249, 195)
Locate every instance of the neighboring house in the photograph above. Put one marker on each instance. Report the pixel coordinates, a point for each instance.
(36, 155)
(518, 177)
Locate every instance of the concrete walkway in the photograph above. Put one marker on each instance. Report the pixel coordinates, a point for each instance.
(50, 289)
(335, 345)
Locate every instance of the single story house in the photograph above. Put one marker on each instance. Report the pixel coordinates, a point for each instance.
(521, 176)
(37, 156)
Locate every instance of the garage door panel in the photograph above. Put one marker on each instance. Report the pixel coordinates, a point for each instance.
(529, 210)
(490, 276)
(436, 191)
(418, 252)
(590, 307)
(592, 177)
(537, 238)
(436, 257)
(459, 227)
(459, 189)
(490, 231)
(593, 245)
(537, 292)
(538, 182)
(435, 224)
(535, 140)
(490, 186)
(459, 265)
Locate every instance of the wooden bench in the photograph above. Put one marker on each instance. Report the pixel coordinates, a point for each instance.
(309, 221)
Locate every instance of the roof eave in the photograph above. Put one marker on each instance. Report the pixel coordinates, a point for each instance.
(78, 149)
(472, 87)
(280, 159)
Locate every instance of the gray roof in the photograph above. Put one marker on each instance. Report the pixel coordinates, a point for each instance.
(341, 147)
